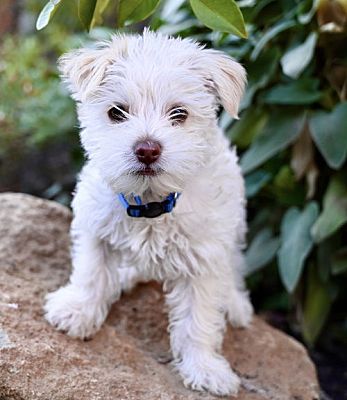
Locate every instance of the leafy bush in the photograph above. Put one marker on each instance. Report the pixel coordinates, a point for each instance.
(223, 15)
(36, 115)
(291, 137)
(32, 85)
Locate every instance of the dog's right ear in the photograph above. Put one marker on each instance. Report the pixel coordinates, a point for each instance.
(84, 69)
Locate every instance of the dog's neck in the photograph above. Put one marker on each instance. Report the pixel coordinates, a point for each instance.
(150, 209)
(149, 195)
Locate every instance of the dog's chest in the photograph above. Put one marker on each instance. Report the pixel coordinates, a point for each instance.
(159, 248)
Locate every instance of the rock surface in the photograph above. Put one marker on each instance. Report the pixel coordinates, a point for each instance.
(129, 357)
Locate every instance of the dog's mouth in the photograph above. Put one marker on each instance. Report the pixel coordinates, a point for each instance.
(148, 171)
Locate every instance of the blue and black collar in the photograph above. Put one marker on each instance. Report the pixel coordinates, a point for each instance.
(149, 210)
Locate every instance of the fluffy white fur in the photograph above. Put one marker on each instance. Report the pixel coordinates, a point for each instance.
(196, 250)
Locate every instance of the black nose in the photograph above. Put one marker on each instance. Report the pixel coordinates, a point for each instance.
(147, 152)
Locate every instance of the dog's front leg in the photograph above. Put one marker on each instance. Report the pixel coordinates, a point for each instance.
(197, 324)
(80, 307)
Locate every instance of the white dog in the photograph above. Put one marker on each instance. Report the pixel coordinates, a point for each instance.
(147, 107)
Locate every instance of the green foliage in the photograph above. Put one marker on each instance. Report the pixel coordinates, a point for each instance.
(339, 261)
(296, 243)
(269, 35)
(329, 132)
(334, 214)
(135, 10)
(86, 9)
(316, 307)
(303, 80)
(282, 128)
(297, 59)
(33, 93)
(47, 13)
(300, 92)
(36, 114)
(262, 250)
(222, 15)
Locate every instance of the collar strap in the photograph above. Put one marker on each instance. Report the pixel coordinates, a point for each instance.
(150, 210)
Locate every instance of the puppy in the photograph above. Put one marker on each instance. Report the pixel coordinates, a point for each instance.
(161, 196)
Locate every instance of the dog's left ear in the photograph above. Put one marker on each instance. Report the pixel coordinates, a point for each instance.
(226, 77)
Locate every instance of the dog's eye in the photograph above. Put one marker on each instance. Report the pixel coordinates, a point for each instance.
(177, 115)
(118, 113)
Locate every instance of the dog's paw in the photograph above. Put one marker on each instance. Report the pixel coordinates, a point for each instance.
(70, 310)
(240, 311)
(210, 373)
(129, 277)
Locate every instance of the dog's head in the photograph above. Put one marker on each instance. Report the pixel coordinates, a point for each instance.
(147, 107)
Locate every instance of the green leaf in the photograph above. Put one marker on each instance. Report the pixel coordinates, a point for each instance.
(302, 91)
(316, 308)
(323, 259)
(261, 251)
(177, 28)
(100, 8)
(132, 11)
(270, 34)
(296, 243)
(334, 213)
(339, 262)
(222, 15)
(297, 59)
(260, 72)
(282, 128)
(126, 8)
(170, 11)
(258, 8)
(277, 301)
(284, 188)
(86, 10)
(251, 123)
(46, 14)
(256, 181)
(307, 17)
(329, 132)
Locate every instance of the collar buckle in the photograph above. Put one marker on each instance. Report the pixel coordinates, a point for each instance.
(150, 210)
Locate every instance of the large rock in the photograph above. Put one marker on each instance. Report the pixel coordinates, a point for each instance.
(129, 357)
